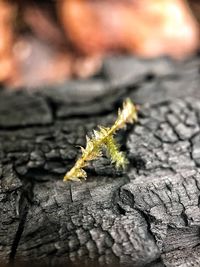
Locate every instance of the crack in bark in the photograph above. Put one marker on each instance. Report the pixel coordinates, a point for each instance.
(22, 221)
(24, 202)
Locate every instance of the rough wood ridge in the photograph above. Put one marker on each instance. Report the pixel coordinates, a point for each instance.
(148, 216)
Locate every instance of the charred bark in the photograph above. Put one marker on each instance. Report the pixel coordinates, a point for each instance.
(146, 216)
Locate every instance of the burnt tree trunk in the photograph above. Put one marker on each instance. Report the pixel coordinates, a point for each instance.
(146, 216)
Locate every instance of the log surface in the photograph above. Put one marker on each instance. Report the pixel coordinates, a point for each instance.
(148, 215)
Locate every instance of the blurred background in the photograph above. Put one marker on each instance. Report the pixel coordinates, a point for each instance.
(46, 41)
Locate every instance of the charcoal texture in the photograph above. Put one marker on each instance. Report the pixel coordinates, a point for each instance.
(148, 215)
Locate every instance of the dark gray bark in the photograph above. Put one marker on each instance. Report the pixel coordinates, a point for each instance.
(146, 216)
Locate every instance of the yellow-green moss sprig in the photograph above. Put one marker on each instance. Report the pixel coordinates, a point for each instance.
(104, 139)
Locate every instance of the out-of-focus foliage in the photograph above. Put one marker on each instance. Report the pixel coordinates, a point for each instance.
(144, 27)
(48, 41)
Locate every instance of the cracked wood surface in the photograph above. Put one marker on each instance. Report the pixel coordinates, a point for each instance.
(146, 216)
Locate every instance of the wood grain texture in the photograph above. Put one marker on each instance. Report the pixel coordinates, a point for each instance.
(146, 216)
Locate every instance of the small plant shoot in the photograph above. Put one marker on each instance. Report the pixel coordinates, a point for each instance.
(103, 139)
